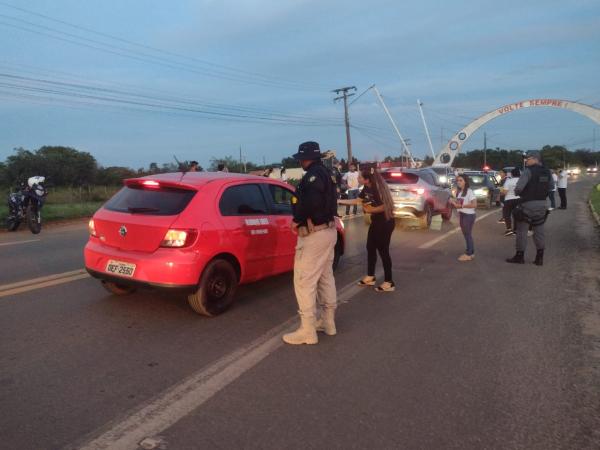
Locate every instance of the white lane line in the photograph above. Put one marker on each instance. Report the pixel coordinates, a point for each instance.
(446, 235)
(42, 282)
(19, 242)
(186, 396)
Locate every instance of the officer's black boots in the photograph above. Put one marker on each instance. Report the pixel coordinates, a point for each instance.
(519, 258)
(539, 258)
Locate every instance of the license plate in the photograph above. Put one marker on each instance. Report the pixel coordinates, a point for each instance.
(122, 269)
(403, 194)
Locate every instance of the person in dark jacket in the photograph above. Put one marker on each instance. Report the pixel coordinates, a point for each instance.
(534, 184)
(314, 223)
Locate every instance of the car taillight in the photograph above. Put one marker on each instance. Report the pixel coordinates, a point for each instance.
(396, 174)
(92, 228)
(419, 191)
(179, 238)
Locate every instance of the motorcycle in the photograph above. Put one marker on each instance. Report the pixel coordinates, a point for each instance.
(26, 204)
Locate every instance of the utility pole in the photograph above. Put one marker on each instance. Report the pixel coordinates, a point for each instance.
(344, 96)
(484, 149)
(241, 162)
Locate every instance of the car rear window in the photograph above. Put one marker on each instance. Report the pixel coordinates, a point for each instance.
(155, 202)
(400, 177)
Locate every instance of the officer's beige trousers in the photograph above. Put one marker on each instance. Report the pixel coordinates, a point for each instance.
(313, 272)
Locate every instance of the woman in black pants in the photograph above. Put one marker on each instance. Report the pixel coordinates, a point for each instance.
(377, 201)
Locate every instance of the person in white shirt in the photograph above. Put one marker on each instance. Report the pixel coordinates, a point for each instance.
(465, 203)
(283, 175)
(563, 178)
(510, 200)
(551, 193)
(351, 180)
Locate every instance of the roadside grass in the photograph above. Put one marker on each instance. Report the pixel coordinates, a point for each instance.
(595, 198)
(52, 212)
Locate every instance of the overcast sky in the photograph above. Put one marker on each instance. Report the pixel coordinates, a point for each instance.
(135, 82)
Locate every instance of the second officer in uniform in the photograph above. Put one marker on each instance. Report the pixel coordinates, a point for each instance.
(314, 223)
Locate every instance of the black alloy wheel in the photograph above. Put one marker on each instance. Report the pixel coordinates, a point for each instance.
(34, 219)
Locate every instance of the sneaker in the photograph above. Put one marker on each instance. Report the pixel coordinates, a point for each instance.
(501, 220)
(509, 233)
(466, 257)
(386, 286)
(530, 233)
(550, 209)
(367, 281)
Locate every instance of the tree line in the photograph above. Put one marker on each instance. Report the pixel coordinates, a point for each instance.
(66, 166)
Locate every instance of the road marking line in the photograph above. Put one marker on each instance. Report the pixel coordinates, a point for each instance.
(42, 282)
(184, 397)
(19, 242)
(431, 243)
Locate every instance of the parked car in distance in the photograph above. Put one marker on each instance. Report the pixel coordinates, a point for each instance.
(197, 233)
(444, 173)
(574, 171)
(592, 169)
(418, 194)
(485, 187)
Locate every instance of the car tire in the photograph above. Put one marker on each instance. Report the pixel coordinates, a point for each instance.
(117, 288)
(425, 218)
(216, 289)
(12, 224)
(337, 253)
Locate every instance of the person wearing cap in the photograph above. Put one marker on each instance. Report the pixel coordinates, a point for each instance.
(314, 224)
(533, 187)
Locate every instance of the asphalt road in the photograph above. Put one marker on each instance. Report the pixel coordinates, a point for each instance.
(463, 355)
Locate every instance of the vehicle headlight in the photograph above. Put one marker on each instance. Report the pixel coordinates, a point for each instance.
(481, 191)
(443, 179)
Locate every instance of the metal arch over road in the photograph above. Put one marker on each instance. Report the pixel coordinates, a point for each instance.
(452, 148)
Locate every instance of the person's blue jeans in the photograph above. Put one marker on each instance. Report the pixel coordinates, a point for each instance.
(466, 225)
(352, 194)
(552, 200)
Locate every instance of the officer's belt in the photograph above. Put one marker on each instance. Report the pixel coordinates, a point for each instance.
(304, 231)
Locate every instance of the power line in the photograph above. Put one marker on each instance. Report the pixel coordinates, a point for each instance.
(136, 101)
(94, 44)
(155, 49)
(119, 94)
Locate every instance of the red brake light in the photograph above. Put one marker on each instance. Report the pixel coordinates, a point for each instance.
(396, 174)
(179, 238)
(151, 183)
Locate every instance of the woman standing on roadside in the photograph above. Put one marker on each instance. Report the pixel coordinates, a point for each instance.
(465, 203)
(510, 200)
(376, 200)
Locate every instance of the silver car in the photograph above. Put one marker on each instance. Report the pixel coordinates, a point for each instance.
(418, 194)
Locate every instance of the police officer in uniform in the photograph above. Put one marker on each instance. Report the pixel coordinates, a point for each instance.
(533, 187)
(314, 223)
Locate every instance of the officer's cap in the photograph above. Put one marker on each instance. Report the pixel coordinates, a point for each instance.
(308, 151)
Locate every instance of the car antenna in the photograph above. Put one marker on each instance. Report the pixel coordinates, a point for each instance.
(182, 168)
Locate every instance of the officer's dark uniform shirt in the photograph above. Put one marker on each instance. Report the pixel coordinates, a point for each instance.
(371, 195)
(316, 196)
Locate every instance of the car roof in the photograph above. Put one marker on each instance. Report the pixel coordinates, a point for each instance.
(197, 179)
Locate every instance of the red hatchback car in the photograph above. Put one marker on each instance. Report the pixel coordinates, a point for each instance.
(200, 233)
